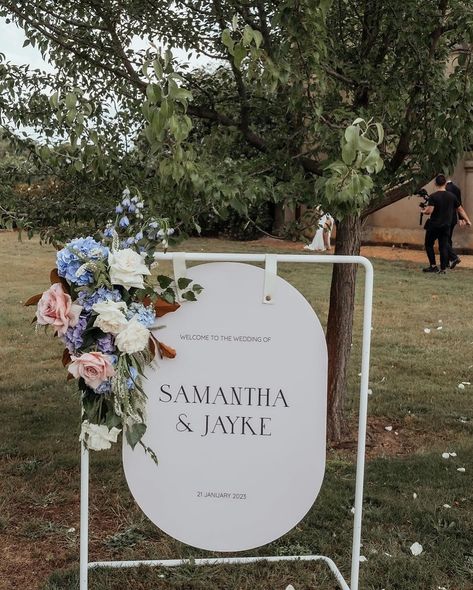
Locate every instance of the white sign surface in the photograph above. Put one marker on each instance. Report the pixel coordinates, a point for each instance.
(237, 419)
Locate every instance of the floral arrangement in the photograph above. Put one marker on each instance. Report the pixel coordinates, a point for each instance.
(103, 303)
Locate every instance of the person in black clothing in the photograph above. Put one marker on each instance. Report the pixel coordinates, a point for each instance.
(441, 206)
(453, 259)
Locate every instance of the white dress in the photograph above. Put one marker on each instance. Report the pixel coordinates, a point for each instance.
(325, 226)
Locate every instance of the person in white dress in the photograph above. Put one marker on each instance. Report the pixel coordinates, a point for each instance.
(321, 240)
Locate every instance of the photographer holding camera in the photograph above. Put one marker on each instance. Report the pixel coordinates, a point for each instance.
(442, 205)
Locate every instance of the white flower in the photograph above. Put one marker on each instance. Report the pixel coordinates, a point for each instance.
(133, 338)
(127, 268)
(98, 437)
(111, 317)
(416, 548)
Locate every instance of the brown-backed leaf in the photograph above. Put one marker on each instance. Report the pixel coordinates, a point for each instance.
(66, 357)
(162, 307)
(152, 343)
(55, 278)
(33, 300)
(166, 351)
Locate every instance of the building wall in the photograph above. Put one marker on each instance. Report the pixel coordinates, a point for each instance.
(399, 223)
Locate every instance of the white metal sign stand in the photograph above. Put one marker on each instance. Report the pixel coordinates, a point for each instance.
(271, 261)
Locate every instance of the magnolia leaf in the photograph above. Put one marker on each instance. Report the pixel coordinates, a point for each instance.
(33, 300)
(166, 351)
(66, 358)
(162, 307)
(55, 278)
(348, 153)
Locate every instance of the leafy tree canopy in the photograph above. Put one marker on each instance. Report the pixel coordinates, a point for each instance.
(264, 119)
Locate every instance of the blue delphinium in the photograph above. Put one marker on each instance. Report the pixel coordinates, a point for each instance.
(74, 255)
(130, 382)
(73, 338)
(87, 299)
(145, 315)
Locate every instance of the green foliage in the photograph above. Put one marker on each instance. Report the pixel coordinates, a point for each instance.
(260, 123)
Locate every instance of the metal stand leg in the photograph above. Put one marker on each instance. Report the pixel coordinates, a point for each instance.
(84, 517)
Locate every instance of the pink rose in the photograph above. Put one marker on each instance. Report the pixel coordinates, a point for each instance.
(56, 308)
(93, 367)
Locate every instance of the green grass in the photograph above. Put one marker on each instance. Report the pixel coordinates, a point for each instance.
(414, 378)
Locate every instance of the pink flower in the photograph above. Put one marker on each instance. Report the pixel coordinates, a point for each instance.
(93, 367)
(56, 308)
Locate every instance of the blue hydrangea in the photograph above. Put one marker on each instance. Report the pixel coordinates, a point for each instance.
(74, 255)
(106, 344)
(104, 388)
(145, 315)
(87, 299)
(73, 338)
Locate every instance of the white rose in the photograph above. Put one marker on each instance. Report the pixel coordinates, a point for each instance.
(98, 437)
(133, 338)
(111, 316)
(127, 268)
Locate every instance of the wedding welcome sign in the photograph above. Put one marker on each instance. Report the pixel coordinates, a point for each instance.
(237, 419)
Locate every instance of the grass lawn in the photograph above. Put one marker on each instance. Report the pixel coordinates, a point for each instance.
(411, 492)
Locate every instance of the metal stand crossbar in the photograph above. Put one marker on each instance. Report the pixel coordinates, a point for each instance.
(85, 565)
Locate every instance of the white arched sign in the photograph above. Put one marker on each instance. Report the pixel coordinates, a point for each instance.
(237, 419)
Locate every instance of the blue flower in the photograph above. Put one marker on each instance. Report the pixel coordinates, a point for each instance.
(139, 236)
(124, 221)
(131, 381)
(87, 299)
(104, 388)
(106, 344)
(76, 253)
(118, 209)
(73, 338)
(126, 202)
(145, 315)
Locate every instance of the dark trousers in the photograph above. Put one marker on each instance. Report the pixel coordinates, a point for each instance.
(441, 234)
(451, 253)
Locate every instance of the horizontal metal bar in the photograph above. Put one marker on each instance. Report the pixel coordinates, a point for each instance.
(223, 561)
(243, 257)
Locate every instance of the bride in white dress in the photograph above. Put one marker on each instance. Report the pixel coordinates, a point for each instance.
(321, 241)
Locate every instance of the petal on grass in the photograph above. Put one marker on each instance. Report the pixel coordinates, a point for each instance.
(416, 549)
(427, 330)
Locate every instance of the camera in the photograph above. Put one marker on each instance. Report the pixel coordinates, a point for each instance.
(423, 194)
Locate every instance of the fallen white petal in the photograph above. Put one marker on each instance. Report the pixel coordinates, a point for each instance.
(396, 433)
(388, 428)
(370, 392)
(416, 548)
(466, 383)
(290, 587)
(461, 469)
(352, 510)
(71, 530)
(461, 386)
(446, 506)
(414, 495)
(440, 321)
(440, 328)
(387, 554)
(363, 558)
(452, 454)
(427, 330)
(445, 455)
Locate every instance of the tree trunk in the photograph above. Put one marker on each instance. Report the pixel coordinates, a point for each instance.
(340, 323)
